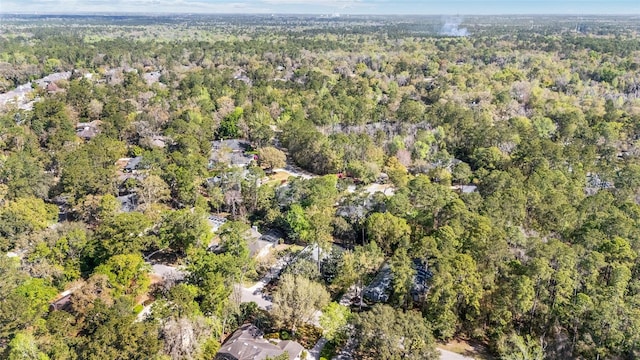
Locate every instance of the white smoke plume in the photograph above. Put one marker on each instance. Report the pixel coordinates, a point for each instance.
(452, 27)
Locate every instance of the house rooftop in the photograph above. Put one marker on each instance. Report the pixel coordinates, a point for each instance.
(235, 145)
(465, 189)
(259, 248)
(232, 151)
(273, 236)
(133, 164)
(380, 288)
(247, 343)
(128, 203)
(159, 141)
(216, 221)
(88, 130)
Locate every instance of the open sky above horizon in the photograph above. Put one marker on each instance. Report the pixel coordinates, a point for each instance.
(374, 7)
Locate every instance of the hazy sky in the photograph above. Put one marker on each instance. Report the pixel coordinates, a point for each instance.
(426, 7)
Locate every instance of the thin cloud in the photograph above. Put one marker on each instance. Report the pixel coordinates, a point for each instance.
(313, 2)
(149, 6)
(428, 7)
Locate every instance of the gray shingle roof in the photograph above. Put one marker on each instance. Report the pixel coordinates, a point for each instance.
(247, 343)
(133, 164)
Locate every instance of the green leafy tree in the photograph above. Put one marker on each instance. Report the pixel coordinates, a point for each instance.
(462, 173)
(334, 321)
(355, 266)
(233, 239)
(90, 169)
(182, 183)
(271, 158)
(31, 300)
(296, 300)
(229, 127)
(215, 276)
(153, 190)
(387, 333)
(403, 274)
(180, 303)
(388, 231)
(25, 216)
(23, 347)
(113, 333)
(50, 122)
(125, 233)
(94, 209)
(517, 347)
(411, 111)
(455, 294)
(300, 228)
(58, 254)
(24, 176)
(181, 229)
(128, 274)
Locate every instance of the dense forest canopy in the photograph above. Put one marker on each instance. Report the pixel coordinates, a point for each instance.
(500, 167)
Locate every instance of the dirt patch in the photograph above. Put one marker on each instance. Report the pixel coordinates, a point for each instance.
(469, 348)
(155, 279)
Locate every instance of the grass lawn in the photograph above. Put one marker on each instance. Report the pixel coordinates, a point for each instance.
(277, 178)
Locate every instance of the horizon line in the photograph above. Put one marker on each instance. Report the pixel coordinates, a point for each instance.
(334, 14)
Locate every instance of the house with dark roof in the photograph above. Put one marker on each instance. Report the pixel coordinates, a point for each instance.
(128, 203)
(133, 164)
(379, 290)
(216, 222)
(247, 343)
(232, 152)
(420, 279)
(62, 302)
(595, 183)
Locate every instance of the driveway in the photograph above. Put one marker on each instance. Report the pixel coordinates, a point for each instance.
(295, 172)
(315, 352)
(254, 293)
(167, 272)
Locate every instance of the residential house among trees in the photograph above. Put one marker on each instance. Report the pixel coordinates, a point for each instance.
(247, 343)
(88, 131)
(232, 152)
